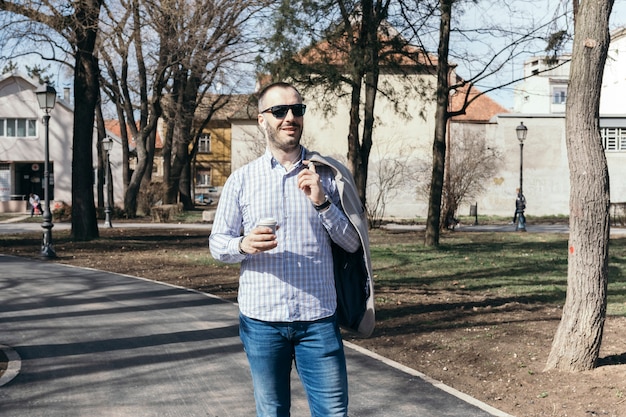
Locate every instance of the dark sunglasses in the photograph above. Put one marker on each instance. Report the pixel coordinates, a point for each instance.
(281, 111)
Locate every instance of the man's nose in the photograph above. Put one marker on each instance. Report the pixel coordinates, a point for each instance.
(289, 115)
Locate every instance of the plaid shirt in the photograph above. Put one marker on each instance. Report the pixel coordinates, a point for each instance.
(293, 282)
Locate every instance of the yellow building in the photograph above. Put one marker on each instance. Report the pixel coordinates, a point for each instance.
(211, 164)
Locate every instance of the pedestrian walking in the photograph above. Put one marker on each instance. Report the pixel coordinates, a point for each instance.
(279, 216)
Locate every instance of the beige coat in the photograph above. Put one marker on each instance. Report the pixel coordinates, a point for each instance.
(353, 272)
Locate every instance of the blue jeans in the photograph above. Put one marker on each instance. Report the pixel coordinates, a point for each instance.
(318, 352)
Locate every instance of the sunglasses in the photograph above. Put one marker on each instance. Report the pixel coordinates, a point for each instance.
(281, 111)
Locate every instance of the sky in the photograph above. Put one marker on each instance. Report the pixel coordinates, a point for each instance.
(482, 13)
(543, 10)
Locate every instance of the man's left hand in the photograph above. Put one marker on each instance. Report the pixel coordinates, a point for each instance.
(309, 182)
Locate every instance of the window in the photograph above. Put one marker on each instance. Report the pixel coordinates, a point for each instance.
(614, 138)
(18, 128)
(204, 143)
(203, 178)
(559, 95)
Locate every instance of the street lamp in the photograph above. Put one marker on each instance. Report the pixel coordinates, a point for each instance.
(107, 145)
(520, 202)
(46, 96)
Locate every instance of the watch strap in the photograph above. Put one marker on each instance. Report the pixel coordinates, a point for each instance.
(322, 206)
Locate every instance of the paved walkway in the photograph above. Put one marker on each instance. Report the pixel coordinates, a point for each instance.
(92, 343)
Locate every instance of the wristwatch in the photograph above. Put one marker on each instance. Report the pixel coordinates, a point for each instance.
(324, 205)
(241, 251)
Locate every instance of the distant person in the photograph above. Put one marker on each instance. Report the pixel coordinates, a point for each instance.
(520, 206)
(35, 204)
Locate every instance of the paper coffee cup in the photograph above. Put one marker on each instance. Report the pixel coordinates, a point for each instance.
(268, 222)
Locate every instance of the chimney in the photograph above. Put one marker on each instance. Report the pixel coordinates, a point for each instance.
(66, 94)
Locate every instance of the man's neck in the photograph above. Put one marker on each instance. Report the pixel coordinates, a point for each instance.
(287, 159)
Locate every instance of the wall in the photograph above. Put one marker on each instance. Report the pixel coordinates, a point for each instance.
(219, 159)
(614, 78)
(545, 166)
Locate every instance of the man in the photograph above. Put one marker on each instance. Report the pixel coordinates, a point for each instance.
(35, 204)
(520, 206)
(287, 298)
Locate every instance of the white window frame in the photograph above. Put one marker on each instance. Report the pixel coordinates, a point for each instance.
(203, 177)
(16, 127)
(204, 143)
(559, 95)
(613, 139)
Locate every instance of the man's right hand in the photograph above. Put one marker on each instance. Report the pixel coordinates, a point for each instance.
(260, 239)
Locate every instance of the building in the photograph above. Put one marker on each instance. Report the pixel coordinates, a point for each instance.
(540, 105)
(22, 141)
(212, 159)
(403, 138)
(22, 146)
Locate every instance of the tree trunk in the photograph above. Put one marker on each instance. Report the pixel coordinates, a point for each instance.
(576, 345)
(369, 32)
(130, 198)
(180, 160)
(101, 156)
(184, 186)
(354, 144)
(86, 94)
(186, 104)
(431, 237)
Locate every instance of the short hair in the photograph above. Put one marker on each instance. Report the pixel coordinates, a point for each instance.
(278, 84)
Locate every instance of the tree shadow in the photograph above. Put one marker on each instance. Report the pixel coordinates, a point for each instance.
(619, 359)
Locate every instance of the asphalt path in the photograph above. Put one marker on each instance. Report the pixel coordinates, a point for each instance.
(85, 342)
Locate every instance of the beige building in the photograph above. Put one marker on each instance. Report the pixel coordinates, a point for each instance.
(402, 143)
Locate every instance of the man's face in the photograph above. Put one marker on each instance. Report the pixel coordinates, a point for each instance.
(281, 133)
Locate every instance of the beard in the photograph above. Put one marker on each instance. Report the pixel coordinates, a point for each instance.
(285, 143)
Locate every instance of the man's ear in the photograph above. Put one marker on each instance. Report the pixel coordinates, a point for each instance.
(261, 119)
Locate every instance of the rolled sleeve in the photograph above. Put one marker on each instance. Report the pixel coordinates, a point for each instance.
(339, 228)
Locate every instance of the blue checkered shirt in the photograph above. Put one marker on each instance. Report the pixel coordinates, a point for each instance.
(293, 282)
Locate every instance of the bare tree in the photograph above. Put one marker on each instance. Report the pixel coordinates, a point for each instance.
(468, 168)
(208, 54)
(576, 345)
(431, 237)
(388, 176)
(77, 24)
(136, 92)
(188, 48)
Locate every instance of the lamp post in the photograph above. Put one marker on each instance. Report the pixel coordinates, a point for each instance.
(46, 96)
(520, 202)
(107, 145)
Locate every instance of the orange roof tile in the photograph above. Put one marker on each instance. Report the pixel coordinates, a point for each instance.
(113, 126)
(482, 109)
(337, 54)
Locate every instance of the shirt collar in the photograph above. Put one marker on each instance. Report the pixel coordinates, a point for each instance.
(273, 162)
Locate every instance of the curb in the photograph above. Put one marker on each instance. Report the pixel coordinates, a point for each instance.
(13, 366)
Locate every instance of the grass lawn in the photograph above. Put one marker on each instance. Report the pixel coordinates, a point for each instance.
(528, 267)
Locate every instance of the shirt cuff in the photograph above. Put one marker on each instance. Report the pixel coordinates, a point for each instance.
(234, 247)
